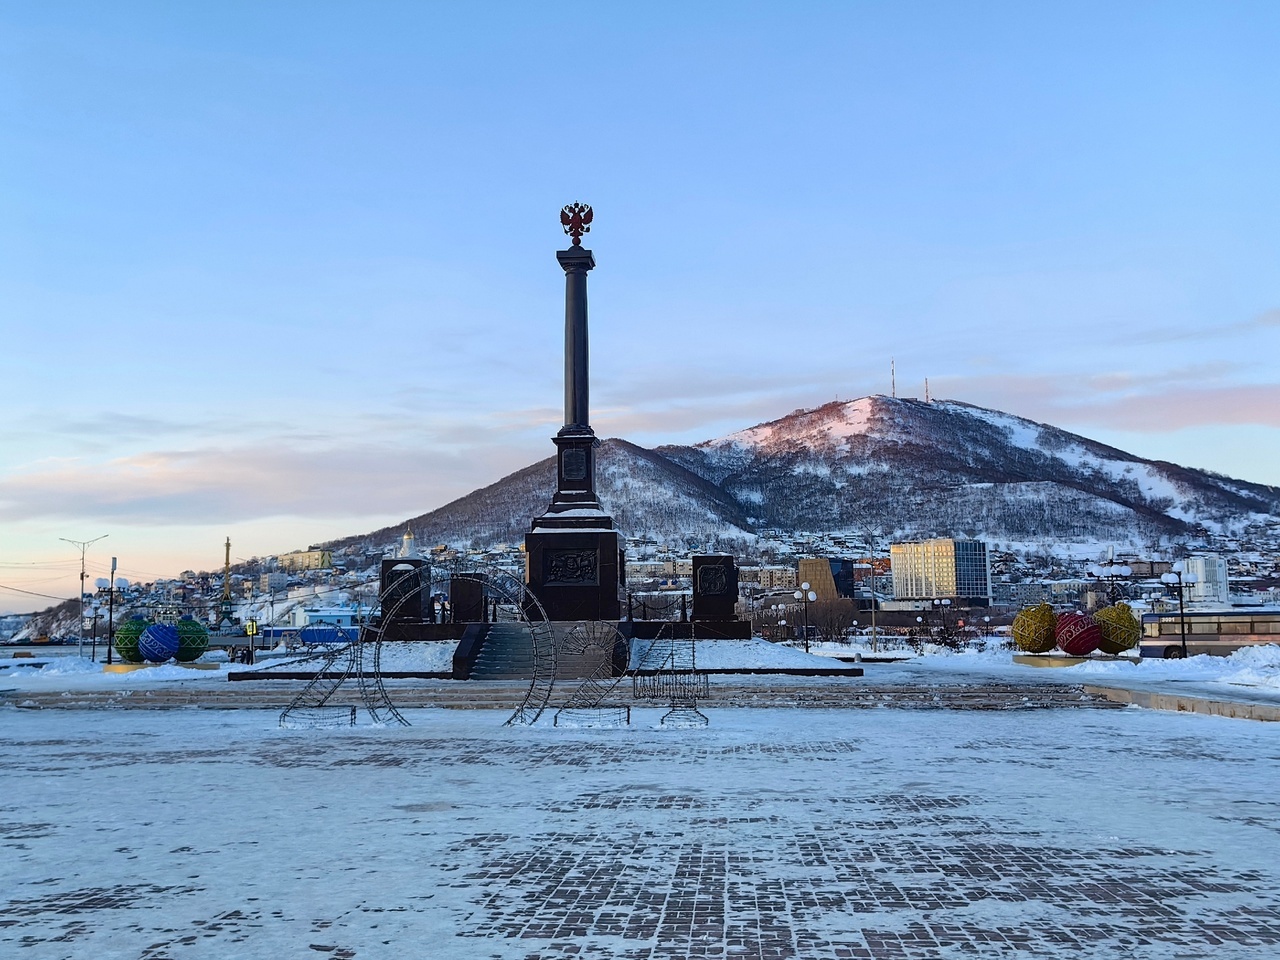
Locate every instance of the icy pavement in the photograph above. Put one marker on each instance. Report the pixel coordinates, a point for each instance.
(771, 834)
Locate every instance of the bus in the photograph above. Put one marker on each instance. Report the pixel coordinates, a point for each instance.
(1219, 632)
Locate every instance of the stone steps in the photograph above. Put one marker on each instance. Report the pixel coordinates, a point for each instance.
(507, 694)
(507, 654)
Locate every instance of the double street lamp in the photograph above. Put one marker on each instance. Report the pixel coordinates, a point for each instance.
(806, 595)
(95, 614)
(941, 607)
(779, 611)
(1179, 580)
(1111, 572)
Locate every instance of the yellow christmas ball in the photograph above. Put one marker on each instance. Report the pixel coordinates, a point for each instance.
(1033, 629)
(1120, 628)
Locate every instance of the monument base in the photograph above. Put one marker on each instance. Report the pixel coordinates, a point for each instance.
(575, 574)
(131, 667)
(676, 630)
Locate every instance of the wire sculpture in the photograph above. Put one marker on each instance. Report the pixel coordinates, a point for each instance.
(340, 655)
(587, 706)
(676, 679)
(667, 671)
(311, 708)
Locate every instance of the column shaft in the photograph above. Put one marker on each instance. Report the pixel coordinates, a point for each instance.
(577, 397)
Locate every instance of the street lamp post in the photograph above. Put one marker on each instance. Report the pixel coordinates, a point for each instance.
(111, 612)
(95, 611)
(1112, 573)
(805, 594)
(1179, 579)
(83, 545)
(941, 607)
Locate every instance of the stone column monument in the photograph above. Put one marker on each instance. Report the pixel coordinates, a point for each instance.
(573, 556)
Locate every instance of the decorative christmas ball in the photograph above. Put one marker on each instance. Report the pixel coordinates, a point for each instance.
(158, 643)
(1077, 634)
(127, 635)
(1033, 629)
(1119, 627)
(193, 639)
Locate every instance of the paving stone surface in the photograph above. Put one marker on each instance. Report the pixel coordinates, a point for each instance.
(771, 834)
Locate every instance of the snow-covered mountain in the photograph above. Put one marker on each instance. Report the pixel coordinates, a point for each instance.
(903, 467)
(646, 493)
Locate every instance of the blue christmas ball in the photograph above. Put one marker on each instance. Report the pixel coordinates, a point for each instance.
(159, 642)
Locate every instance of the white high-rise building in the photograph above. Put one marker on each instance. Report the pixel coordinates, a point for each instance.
(1211, 578)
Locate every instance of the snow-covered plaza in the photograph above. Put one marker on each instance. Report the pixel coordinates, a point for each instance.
(773, 833)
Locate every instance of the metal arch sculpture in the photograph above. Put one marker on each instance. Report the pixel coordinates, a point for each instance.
(361, 655)
(311, 708)
(338, 654)
(513, 602)
(586, 705)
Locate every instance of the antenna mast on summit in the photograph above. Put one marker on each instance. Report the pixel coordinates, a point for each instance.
(893, 379)
(926, 389)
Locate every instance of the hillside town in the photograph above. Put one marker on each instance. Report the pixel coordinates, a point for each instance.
(851, 576)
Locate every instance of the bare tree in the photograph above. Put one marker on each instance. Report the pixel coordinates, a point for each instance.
(831, 619)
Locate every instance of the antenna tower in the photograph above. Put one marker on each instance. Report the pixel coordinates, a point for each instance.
(224, 611)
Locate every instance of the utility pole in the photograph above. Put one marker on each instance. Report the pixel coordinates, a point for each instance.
(871, 549)
(83, 545)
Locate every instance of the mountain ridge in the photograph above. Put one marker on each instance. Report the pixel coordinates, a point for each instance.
(904, 467)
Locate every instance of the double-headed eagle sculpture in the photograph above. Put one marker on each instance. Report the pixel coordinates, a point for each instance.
(576, 220)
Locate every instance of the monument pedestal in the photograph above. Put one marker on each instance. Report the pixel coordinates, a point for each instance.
(576, 574)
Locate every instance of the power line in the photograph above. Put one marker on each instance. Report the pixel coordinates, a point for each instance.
(30, 593)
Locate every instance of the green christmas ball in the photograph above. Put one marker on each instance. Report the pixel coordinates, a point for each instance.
(127, 635)
(1120, 628)
(193, 640)
(1033, 629)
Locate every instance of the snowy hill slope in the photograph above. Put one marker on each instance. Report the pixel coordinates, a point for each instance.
(905, 467)
(645, 493)
(950, 468)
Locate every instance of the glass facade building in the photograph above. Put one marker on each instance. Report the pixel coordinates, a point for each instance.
(941, 568)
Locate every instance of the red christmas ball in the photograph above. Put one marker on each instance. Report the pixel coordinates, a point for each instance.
(1077, 634)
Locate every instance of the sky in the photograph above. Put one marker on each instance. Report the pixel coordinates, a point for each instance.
(284, 271)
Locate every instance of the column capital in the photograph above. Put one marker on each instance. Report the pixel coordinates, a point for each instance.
(575, 259)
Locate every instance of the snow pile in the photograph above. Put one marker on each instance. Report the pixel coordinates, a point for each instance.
(52, 667)
(419, 656)
(424, 656)
(1255, 667)
(753, 654)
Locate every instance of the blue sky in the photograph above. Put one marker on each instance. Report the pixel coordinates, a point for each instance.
(285, 271)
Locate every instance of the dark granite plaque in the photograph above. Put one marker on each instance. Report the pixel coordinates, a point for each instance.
(713, 581)
(571, 568)
(402, 587)
(575, 463)
(715, 587)
(466, 598)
